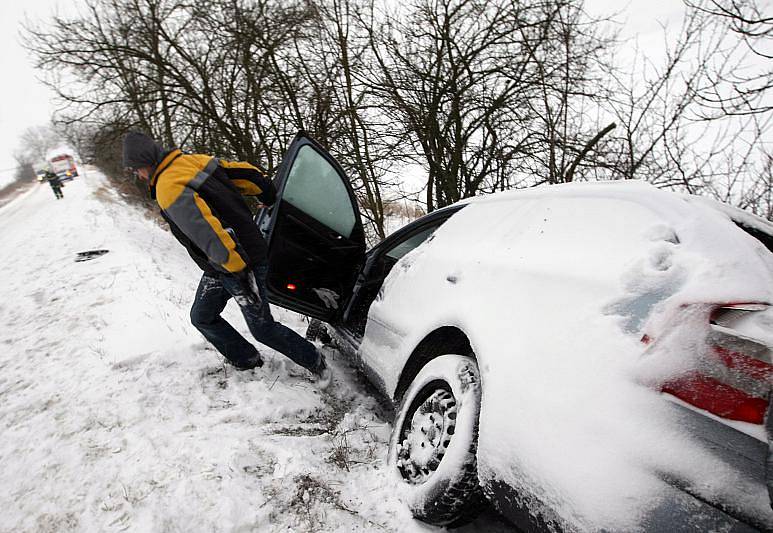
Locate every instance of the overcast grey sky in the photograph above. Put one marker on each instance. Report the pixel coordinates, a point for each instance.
(25, 102)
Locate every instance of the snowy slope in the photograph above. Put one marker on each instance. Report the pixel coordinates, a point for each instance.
(117, 416)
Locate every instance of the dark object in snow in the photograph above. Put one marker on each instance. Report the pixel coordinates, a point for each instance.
(318, 332)
(322, 374)
(88, 255)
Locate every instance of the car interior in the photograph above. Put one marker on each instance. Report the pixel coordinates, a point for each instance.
(317, 246)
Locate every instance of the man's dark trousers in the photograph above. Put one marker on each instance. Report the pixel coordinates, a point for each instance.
(211, 297)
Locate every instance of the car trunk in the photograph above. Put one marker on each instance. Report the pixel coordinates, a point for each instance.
(724, 401)
(721, 393)
(766, 238)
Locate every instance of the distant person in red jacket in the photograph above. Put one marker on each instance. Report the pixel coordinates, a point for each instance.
(200, 197)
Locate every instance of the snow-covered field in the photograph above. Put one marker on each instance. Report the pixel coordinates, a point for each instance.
(116, 415)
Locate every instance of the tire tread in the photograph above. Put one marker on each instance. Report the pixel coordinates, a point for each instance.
(464, 499)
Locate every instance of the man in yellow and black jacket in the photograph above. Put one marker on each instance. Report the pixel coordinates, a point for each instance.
(200, 197)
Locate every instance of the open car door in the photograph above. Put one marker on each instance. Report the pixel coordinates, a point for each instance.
(316, 242)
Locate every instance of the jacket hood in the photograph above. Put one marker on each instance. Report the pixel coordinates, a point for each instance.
(139, 151)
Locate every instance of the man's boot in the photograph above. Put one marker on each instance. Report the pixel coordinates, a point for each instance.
(322, 374)
(256, 361)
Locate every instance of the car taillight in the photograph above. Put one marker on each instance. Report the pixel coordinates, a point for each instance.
(733, 378)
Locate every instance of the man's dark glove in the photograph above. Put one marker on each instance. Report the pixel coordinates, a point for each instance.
(249, 295)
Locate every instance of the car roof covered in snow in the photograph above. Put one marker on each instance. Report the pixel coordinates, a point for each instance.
(637, 191)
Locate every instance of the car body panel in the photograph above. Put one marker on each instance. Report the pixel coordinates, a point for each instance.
(399, 334)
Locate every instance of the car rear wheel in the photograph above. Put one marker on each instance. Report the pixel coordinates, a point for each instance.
(433, 446)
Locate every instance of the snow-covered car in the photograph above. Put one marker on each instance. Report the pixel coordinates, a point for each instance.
(586, 357)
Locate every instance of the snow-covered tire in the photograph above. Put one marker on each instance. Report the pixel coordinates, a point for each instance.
(433, 447)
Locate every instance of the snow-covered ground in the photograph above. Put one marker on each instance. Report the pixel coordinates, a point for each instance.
(116, 415)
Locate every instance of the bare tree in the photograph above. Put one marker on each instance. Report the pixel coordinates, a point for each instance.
(36, 141)
(364, 140)
(492, 93)
(742, 74)
(570, 59)
(485, 96)
(206, 75)
(450, 75)
(34, 144)
(234, 77)
(25, 169)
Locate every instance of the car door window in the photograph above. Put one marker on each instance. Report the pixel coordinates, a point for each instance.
(409, 244)
(356, 317)
(314, 187)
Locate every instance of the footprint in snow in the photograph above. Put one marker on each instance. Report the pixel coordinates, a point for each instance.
(214, 378)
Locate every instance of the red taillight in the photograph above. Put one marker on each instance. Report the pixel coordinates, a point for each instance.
(717, 398)
(733, 378)
(291, 286)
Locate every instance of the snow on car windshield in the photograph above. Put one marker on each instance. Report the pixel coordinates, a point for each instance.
(555, 287)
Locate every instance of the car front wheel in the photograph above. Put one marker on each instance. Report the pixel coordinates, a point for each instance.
(433, 447)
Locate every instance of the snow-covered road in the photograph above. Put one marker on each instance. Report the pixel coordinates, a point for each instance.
(117, 416)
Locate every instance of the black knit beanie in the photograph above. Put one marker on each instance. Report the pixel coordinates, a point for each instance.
(139, 151)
